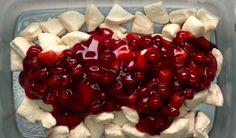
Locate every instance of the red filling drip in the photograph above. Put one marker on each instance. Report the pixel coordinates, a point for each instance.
(149, 74)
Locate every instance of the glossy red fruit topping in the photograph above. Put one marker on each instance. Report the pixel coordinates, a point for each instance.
(149, 74)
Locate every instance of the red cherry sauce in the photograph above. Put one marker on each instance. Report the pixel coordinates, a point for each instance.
(147, 73)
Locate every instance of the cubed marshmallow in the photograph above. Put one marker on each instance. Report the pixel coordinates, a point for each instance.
(195, 26)
(214, 95)
(58, 132)
(93, 17)
(53, 26)
(178, 129)
(209, 20)
(75, 37)
(130, 114)
(31, 111)
(182, 111)
(16, 61)
(57, 49)
(197, 99)
(142, 24)
(43, 106)
(119, 118)
(202, 125)
(170, 30)
(191, 117)
(72, 20)
(129, 129)
(47, 40)
(104, 118)
(118, 15)
(31, 32)
(20, 45)
(181, 15)
(219, 58)
(113, 131)
(157, 13)
(96, 129)
(114, 28)
(80, 131)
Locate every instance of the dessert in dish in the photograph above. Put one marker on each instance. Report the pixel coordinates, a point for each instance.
(116, 83)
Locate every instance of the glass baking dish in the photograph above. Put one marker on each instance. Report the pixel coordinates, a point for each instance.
(17, 14)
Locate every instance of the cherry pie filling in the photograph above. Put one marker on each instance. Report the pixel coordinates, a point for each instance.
(147, 73)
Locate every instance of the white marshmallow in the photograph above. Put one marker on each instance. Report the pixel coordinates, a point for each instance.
(130, 114)
(80, 131)
(58, 132)
(96, 129)
(113, 131)
(119, 118)
(170, 30)
(157, 12)
(47, 40)
(214, 95)
(118, 15)
(93, 17)
(207, 35)
(202, 125)
(142, 24)
(209, 20)
(104, 118)
(182, 111)
(180, 16)
(57, 49)
(191, 117)
(20, 45)
(114, 28)
(195, 26)
(31, 32)
(219, 58)
(75, 37)
(72, 20)
(197, 99)
(178, 129)
(30, 110)
(53, 26)
(43, 106)
(16, 62)
(129, 129)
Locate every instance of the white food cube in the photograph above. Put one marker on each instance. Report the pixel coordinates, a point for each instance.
(47, 40)
(113, 131)
(219, 58)
(118, 15)
(72, 20)
(195, 26)
(202, 125)
(214, 95)
(209, 20)
(80, 131)
(197, 99)
(142, 24)
(104, 118)
(58, 132)
(178, 129)
(16, 62)
(30, 110)
(114, 28)
(32, 31)
(96, 129)
(191, 117)
(119, 118)
(75, 37)
(157, 12)
(53, 26)
(170, 30)
(93, 17)
(20, 45)
(129, 129)
(130, 114)
(182, 111)
(43, 106)
(180, 16)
